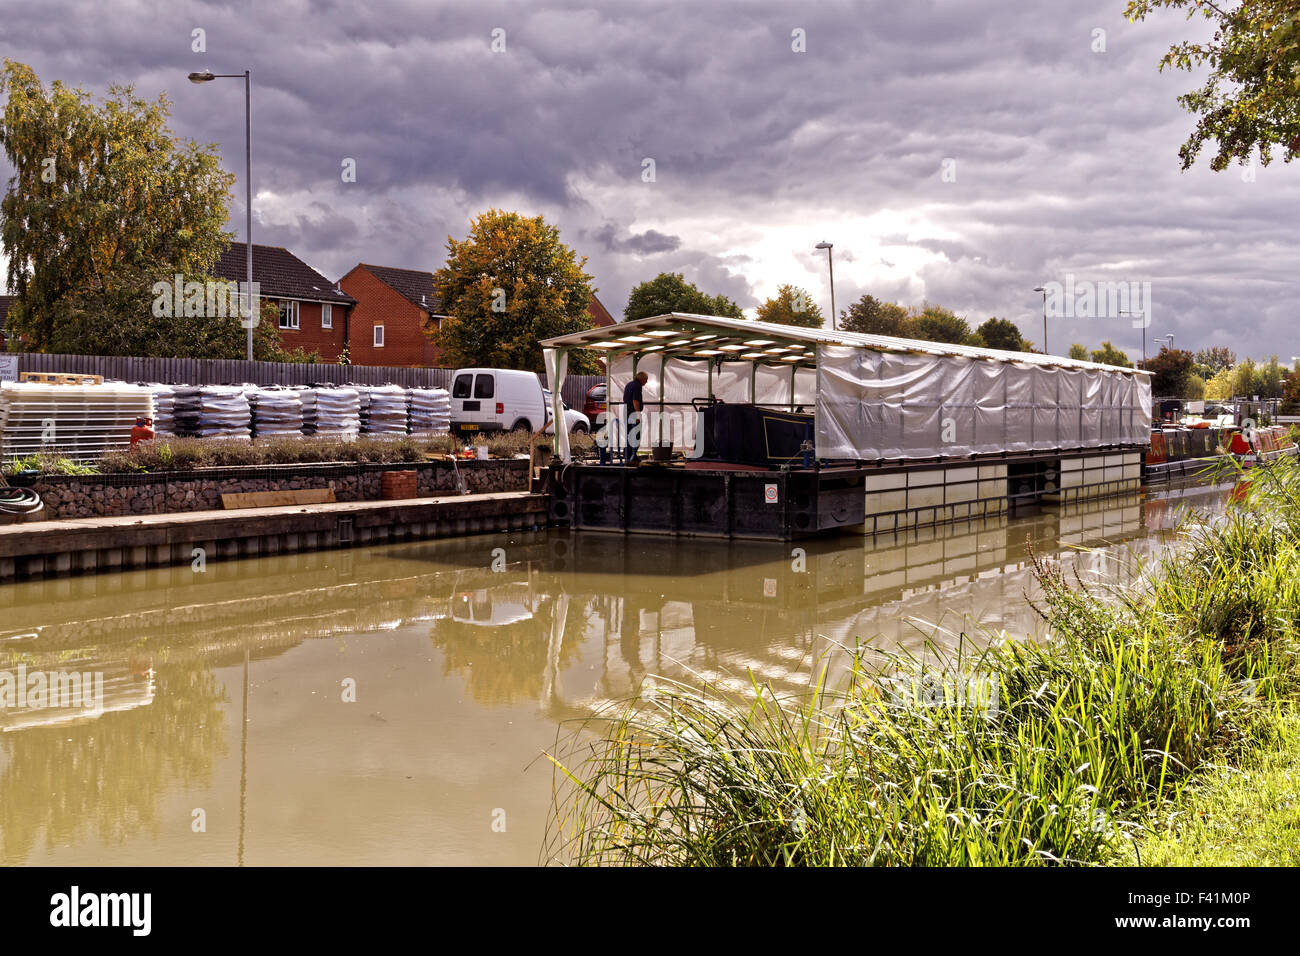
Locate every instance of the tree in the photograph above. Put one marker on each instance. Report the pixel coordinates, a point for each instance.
(1210, 362)
(791, 306)
(1079, 352)
(934, 323)
(1170, 371)
(1194, 387)
(1109, 355)
(100, 197)
(670, 292)
(1243, 378)
(1002, 334)
(1290, 393)
(1268, 379)
(870, 316)
(1219, 387)
(1250, 100)
(120, 320)
(508, 285)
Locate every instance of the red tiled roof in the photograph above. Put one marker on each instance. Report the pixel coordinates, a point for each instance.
(280, 273)
(413, 285)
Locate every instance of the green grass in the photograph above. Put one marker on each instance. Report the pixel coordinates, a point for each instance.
(1247, 815)
(189, 454)
(1075, 749)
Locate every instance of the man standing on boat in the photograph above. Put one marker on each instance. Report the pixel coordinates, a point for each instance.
(633, 403)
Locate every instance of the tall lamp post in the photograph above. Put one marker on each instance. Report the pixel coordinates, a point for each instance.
(207, 76)
(1144, 336)
(1043, 289)
(828, 246)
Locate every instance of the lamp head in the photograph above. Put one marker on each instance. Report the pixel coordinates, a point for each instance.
(824, 245)
(202, 76)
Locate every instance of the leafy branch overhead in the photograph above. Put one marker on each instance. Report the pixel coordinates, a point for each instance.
(104, 200)
(1251, 99)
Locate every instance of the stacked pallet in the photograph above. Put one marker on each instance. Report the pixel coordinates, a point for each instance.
(80, 422)
(385, 410)
(337, 412)
(430, 412)
(224, 412)
(164, 402)
(307, 398)
(187, 408)
(277, 412)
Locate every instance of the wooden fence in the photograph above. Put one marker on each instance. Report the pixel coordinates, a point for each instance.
(189, 371)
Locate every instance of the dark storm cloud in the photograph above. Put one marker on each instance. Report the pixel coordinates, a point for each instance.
(647, 243)
(1064, 158)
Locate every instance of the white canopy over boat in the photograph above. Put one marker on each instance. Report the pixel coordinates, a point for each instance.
(873, 396)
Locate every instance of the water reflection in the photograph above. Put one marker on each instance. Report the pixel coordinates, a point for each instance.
(464, 672)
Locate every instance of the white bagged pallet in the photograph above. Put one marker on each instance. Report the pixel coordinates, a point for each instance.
(164, 402)
(386, 410)
(187, 407)
(338, 412)
(307, 396)
(430, 412)
(224, 412)
(277, 412)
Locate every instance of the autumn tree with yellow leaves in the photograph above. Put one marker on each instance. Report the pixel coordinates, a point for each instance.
(505, 287)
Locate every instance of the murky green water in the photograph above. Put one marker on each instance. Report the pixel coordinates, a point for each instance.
(223, 733)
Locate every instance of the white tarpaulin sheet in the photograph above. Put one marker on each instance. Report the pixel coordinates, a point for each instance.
(888, 405)
(676, 381)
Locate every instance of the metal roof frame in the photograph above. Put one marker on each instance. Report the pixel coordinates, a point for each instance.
(722, 330)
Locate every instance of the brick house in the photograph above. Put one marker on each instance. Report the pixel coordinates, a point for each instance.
(600, 316)
(313, 313)
(394, 309)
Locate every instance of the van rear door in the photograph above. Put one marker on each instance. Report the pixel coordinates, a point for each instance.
(473, 401)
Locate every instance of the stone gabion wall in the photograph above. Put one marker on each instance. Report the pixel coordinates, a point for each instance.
(84, 497)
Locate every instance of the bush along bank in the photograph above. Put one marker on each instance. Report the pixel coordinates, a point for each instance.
(1083, 749)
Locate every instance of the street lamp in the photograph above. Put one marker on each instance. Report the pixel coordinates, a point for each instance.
(207, 76)
(1170, 337)
(1043, 289)
(828, 246)
(1144, 335)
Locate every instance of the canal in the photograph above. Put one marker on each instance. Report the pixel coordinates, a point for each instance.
(389, 705)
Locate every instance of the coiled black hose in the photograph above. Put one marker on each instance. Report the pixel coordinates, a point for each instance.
(19, 501)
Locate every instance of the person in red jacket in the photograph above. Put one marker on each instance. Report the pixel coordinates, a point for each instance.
(143, 431)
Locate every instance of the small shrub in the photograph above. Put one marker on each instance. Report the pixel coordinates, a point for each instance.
(190, 454)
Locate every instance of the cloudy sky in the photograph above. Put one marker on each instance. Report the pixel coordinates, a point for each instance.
(956, 151)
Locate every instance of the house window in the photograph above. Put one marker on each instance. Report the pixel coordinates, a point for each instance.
(289, 314)
(379, 336)
(327, 316)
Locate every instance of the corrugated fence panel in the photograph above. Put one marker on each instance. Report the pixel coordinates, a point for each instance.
(237, 371)
(230, 371)
(575, 388)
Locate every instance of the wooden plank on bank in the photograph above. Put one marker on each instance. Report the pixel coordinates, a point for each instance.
(275, 499)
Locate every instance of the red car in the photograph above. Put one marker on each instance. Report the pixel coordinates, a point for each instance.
(594, 404)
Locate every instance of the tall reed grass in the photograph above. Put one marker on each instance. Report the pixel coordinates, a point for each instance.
(1076, 744)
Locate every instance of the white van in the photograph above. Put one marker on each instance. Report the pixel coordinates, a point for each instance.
(497, 399)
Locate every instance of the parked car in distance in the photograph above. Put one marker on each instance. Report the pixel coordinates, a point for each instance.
(496, 399)
(574, 421)
(594, 404)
